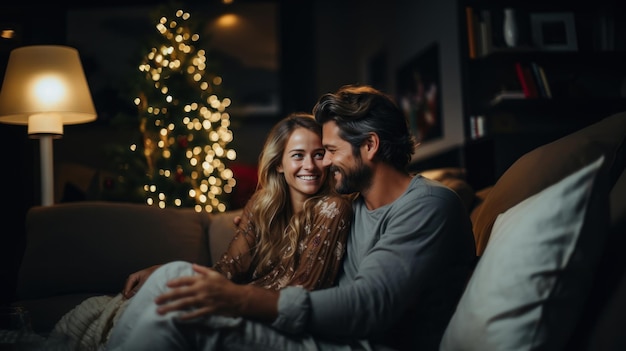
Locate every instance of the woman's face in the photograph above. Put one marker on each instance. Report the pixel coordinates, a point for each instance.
(302, 165)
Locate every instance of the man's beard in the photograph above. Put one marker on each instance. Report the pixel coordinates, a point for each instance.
(355, 180)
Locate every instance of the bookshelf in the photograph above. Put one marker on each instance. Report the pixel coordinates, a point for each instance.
(567, 70)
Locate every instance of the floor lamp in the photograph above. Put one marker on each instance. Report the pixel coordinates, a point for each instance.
(45, 87)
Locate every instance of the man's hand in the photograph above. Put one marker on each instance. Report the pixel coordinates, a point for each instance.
(209, 292)
(136, 280)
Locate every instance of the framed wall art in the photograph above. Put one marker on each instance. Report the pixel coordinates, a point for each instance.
(554, 31)
(419, 94)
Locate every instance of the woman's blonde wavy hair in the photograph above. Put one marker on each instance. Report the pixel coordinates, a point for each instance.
(276, 224)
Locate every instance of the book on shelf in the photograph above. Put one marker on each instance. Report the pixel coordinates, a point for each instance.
(470, 19)
(507, 95)
(479, 32)
(541, 90)
(542, 73)
(526, 80)
(541, 80)
(485, 44)
(477, 127)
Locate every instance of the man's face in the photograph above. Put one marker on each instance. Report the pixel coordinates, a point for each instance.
(351, 174)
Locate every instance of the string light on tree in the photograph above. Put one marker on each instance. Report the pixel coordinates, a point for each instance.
(184, 123)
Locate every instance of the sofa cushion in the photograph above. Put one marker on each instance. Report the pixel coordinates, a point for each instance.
(606, 331)
(618, 206)
(85, 247)
(601, 326)
(529, 287)
(549, 163)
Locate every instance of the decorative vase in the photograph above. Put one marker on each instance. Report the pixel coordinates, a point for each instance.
(510, 28)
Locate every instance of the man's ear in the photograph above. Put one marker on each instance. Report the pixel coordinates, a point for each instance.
(370, 146)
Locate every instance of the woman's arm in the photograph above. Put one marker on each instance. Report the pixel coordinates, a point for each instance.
(321, 251)
(236, 263)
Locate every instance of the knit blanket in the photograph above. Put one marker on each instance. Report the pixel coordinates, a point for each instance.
(87, 327)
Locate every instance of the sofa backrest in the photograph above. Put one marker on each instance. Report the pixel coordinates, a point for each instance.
(92, 247)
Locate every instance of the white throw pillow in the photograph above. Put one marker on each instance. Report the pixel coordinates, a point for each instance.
(530, 285)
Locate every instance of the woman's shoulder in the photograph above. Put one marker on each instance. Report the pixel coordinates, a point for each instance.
(336, 202)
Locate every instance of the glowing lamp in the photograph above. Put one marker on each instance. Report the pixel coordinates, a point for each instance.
(45, 87)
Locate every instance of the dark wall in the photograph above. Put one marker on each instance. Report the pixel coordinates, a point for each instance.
(297, 56)
(19, 165)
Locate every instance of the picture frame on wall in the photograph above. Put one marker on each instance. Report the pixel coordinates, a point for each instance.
(419, 93)
(554, 31)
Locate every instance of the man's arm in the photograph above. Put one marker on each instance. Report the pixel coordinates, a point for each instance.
(420, 242)
(209, 292)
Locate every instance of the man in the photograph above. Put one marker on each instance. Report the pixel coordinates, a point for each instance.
(409, 254)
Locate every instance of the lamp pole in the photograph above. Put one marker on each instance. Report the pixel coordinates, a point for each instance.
(47, 169)
(46, 127)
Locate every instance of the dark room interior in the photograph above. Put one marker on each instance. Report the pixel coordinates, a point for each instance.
(494, 98)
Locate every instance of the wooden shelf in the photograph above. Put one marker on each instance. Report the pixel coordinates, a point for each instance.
(585, 84)
(560, 107)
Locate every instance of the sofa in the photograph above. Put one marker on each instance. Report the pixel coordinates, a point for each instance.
(80, 249)
(549, 274)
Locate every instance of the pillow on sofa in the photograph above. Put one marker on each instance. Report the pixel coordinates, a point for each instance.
(531, 283)
(549, 163)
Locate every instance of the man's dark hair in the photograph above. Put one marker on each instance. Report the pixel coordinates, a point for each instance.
(361, 109)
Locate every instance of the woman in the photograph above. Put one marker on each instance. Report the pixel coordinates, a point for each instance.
(292, 230)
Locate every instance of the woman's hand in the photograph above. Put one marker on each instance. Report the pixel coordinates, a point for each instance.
(209, 292)
(136, 280)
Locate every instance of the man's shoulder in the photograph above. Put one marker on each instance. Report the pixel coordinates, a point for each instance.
(422, 187)
(427, 196)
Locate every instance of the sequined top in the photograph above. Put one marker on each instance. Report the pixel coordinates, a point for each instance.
(321, 247)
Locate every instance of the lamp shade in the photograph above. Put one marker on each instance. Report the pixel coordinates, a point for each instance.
(45, 80)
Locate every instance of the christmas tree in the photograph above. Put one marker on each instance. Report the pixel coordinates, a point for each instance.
(181, 157)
